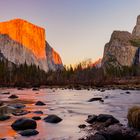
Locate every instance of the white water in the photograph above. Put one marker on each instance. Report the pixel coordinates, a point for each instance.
(72, 107)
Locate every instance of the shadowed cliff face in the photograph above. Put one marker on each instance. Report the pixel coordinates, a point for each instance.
(53, 58)
(21, 41)
(120, 51)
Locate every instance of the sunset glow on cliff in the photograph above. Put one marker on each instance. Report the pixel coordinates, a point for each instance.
(30, 36)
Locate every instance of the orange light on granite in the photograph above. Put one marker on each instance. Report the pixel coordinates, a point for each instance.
(56, 57)
(30, 36)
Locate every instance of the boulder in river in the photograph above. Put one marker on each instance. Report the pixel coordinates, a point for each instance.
(95, 99)
(20, 112)
(1, 103)
(52, 119)
(17, 105)
(13, 96)
(91, 119)
(28, 132)
(4, 117)
(38, 112)
(6, 93)
(36, 118)
(40, 103)
(106, 117)
(23, 124)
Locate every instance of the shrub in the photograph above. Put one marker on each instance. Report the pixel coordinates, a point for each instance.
(134, 117)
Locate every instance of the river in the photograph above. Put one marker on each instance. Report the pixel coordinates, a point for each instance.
(71, 105)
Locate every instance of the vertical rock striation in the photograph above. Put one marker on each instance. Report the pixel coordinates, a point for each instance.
(120, 51)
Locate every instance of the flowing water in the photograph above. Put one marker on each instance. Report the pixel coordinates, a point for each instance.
(71, 106)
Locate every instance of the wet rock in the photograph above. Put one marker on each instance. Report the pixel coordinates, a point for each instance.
(19, 88)
(35, 89)
(23, 124)
(137, 137)
(127, 92)
(13, 96)
(113, 132)
(4, 117)
(106, 117)
(103, 90)
(38, 112)
(95, 99)
(17, 105)
(91, 119)
(97, 136)
(1, 103)
(52, 119)
(118, 132)
(82, 126)
(20, 112)
(106, 97)
(36, 118)
(102, 101)
(40, 103)
(6, 93)
(29, 132)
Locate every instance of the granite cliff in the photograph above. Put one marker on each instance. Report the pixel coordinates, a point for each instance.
(122, 50)
(21, 41)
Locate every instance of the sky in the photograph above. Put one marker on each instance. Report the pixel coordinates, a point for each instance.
(76, 29)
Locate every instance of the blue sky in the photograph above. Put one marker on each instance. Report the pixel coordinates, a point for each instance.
(77, 29)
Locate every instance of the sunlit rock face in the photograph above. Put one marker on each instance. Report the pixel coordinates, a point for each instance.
(21, 41)
(27, 34)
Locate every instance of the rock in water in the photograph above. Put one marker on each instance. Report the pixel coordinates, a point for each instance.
(13, 96)
(24, 123)
(52, 119)
(36, 118)
(95, 99)
(4, 117)
(38, 112)
(20, 112)
(91, 119)
(40, 103)
(22, 41)
(29, 132)
(106, 117)
(17, 105)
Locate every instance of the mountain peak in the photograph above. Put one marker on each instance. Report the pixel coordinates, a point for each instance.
(27, 34)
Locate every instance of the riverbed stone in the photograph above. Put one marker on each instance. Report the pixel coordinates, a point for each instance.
(4, 117)
(106, 117)
(95, 99)
(21, 112)
(36, 118)
(91, 119)
(38, 112)
(52, 119)
(40, 103)
(17, 105)
(24, 123)
(13, 96)
(29, 132)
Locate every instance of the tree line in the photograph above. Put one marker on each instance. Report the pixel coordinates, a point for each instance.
(81, 74)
